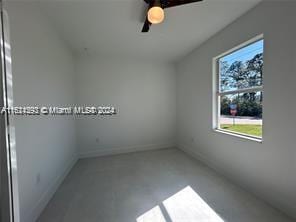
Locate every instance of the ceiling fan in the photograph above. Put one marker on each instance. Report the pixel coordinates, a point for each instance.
(155, 13)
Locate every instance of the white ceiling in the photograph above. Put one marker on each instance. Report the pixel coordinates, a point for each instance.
(113, 27)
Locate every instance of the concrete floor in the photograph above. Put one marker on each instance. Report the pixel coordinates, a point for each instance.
(155, 186)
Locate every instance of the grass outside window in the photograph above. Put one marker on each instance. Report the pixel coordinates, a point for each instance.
(253, 130)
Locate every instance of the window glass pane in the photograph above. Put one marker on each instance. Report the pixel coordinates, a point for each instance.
(242, 68)
(242, 113)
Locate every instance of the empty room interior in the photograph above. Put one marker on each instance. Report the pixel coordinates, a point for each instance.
(148, 111)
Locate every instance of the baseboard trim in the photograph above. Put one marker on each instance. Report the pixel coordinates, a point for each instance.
(219, 170)
(199, 157)
(48, 194)
(122, 150)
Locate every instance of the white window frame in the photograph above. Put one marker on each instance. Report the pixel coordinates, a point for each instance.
(217, 93)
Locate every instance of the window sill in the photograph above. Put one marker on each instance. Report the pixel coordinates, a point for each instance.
(246, 137)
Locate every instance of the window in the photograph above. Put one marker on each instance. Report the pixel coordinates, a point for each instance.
(238, 90)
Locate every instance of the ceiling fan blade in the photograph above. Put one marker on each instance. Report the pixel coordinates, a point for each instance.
(173, 3)
(147, 1)
(146, 26)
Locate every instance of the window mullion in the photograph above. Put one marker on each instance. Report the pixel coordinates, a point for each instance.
(239, 91)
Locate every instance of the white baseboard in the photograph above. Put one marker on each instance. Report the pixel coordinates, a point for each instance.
(219, 170)
(199, 157)
(122, 150)
(48, 194)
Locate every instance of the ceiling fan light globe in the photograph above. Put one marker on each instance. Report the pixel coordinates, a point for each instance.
(156, 15)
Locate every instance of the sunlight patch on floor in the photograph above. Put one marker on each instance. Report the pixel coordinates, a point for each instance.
(187, 205)
(184, 206)
(153, 215)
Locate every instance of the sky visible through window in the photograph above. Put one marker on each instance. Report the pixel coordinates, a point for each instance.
(244, 54)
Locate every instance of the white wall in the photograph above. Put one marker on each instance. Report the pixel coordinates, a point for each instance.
(144, 93)
(42, 75)
(267, 169)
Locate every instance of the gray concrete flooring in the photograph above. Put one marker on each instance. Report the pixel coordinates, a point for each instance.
(154, 186)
